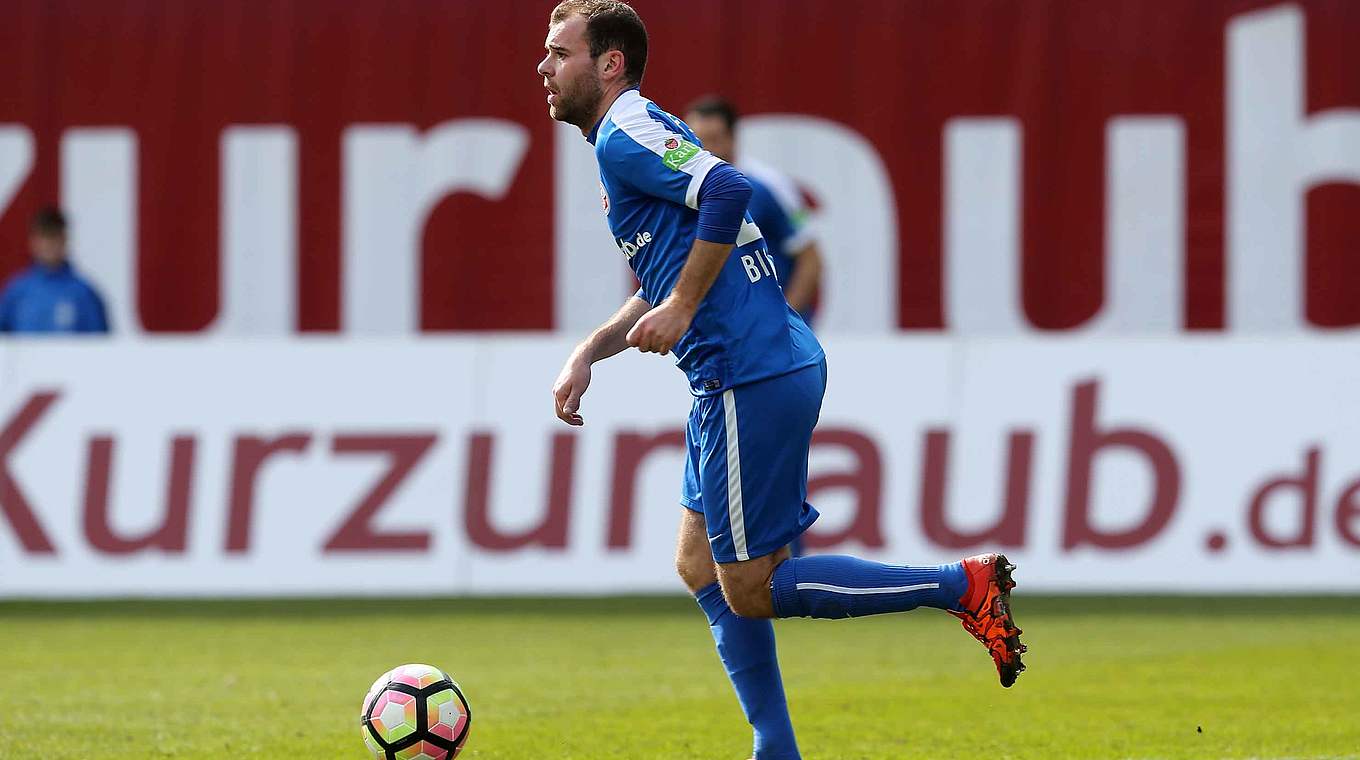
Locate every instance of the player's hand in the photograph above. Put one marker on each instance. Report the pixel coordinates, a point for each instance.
(660, 329)
(571, 384)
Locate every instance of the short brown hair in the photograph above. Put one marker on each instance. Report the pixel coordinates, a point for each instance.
(49, 222)
(716, 105)
(610, 25)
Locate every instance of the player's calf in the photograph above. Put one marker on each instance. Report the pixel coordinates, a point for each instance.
(745, 646)
(838, 586)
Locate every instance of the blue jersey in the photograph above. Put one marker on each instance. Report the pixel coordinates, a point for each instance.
(44, 299)
(651, 169)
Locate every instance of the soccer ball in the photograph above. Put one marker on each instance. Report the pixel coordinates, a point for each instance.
(415, 712)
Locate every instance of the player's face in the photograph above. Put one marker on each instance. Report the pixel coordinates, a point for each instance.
(570, 75)
(47, 249)
(712, 131)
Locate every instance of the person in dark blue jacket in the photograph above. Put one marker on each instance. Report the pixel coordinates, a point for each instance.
(49, 297)
(777, 206)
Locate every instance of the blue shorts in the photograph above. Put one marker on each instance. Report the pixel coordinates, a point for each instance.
(748, 462)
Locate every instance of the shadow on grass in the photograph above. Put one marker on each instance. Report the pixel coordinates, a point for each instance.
(1025, 605)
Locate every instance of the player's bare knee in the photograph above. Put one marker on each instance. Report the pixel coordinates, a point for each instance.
(749, 601)
(748, 604)
(747, 586)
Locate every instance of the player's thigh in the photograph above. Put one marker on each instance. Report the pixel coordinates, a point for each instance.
(693, 558)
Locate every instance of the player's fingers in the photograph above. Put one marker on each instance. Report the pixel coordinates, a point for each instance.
(641, 338)
(560, 397)
(573, 402)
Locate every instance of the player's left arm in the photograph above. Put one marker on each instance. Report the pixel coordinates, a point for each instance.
(722, 203)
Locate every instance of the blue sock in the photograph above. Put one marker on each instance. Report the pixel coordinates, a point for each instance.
(832, 587)
(746, 648)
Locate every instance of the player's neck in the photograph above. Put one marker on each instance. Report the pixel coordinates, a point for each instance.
(611, 94)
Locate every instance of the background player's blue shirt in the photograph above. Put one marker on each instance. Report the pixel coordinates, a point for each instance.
(652, 168)
(779, 212)
(43, 299)
(776, 227)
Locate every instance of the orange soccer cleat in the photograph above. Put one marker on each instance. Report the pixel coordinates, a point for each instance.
(987, 612)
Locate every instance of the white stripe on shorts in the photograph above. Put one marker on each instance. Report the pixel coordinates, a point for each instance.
(734, 515)
(881, 590)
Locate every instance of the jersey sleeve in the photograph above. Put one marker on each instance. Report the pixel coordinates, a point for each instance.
(657, 161)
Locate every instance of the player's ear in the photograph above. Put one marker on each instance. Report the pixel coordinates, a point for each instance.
(613, 63)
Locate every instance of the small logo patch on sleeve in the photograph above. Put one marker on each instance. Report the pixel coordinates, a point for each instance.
(678, 153)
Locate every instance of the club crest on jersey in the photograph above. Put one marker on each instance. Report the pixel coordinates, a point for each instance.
(629, 249)
(604, 198)
(678, 153)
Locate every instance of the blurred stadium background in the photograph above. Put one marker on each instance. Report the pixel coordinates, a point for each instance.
(1092, 281)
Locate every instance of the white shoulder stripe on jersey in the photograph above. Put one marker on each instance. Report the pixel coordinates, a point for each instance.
(785, 192)
(629, 114)
(698, 168)
(790, 200)
(804, 237)
(734, 507)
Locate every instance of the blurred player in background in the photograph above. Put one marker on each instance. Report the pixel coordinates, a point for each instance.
(49, 296)
(755, 369)
(776, 206)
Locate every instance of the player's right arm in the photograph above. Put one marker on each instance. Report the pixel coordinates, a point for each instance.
(653, 155)
(608, 339)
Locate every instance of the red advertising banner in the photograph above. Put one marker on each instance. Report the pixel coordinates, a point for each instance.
(304, 165)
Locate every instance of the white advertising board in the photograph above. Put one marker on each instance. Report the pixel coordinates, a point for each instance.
(434, 466)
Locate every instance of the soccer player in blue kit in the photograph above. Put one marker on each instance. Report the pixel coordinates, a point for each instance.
(757, 373)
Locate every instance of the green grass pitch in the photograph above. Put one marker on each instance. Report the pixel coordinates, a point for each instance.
(1199, 678)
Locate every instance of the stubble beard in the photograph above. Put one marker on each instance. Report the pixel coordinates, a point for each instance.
(578, 106)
